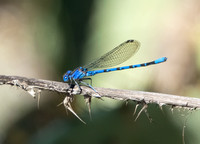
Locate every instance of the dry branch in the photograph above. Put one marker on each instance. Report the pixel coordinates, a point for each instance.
(35, 86)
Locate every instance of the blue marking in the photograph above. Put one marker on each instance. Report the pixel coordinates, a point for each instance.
(163, 59)
(114, 57)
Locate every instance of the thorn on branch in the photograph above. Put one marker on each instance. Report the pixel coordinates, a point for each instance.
(35, 86)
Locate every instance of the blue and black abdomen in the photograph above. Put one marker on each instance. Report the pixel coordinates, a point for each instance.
(160, 60)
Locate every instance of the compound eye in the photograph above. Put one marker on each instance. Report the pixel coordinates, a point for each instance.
(68, 72)
(65, 78)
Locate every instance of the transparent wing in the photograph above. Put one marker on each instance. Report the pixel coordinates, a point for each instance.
(116, 56)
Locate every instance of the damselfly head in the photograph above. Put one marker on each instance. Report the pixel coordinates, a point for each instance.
(66, 76)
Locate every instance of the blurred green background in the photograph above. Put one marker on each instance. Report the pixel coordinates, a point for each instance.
(45, 38)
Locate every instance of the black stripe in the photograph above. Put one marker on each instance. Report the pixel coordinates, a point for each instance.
(150, 63)
(131, 66)
(128, 41)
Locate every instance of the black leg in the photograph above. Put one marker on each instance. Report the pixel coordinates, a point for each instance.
(71, 83)
(91, 88)
(87, 79)
(77, 85)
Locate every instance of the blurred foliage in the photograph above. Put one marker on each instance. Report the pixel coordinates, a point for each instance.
(44, 38)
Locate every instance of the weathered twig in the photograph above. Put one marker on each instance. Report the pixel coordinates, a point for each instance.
(35, 86)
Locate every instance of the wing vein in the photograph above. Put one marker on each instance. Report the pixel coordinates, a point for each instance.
(116, 56)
